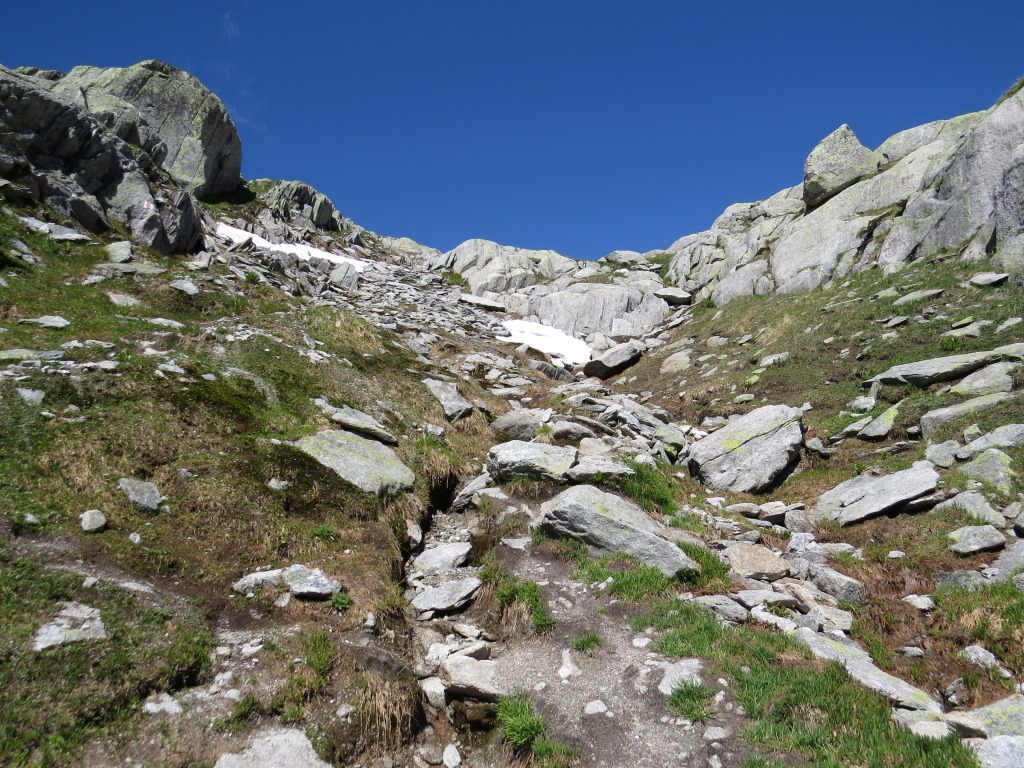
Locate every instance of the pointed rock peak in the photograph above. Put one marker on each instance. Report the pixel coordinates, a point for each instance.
(837, 162)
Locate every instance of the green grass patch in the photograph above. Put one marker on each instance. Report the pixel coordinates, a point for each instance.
(525, 730)
(650, 488)
(833, 720)
(631, 580)
(588, 642)
(692, 701)
(713, 574)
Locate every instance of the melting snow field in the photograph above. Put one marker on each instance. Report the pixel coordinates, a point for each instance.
(551, 341)
(236, 235)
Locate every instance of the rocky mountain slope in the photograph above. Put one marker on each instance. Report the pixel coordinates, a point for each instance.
(278, 490)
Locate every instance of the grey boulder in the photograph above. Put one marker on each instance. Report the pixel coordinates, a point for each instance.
(145, 496)
(366, 464)
(171, 115)
(449, 596)
(972, 539)
(750, 453)
(447, 394)
(609, 525)
(867, 496)
(518, 457)
(443, 557)
(836, 163)
(615, 360)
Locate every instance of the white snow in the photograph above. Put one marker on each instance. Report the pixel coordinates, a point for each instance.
(551, 341)
(236, 235)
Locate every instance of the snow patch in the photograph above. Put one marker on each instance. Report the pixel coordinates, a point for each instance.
(551, 341)
(236, 235)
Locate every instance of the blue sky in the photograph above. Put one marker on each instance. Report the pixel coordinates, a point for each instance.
(580, 126)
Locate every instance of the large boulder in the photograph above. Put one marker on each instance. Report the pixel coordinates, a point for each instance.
(366, 464)
(836, 163)
(615, 360)
(182, 125)
(750, 453)
(609, 525)
(518, 457)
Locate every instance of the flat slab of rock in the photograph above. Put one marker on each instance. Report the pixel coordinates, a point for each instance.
(999, 751)
(467, 677)
(447, 394)
(976, 505)
(615, 360)
(924, 294)
(518, 457)
(724, 607)
(673, 296)
(363, 423)
(991, 379)
(752, 561)
(277, 747)
(441, 558)
(591, 468)
(858, 663)
(924, 373)
(935, 419)
(480, 301)
(1006, 436)
(309, 583)
(366, 464)
(972, 539)
(867, 496)
(74, 624)
(750, 453)
(55, 322)
(1004, 717)
(450, 596)
(608, 525)
(145, 496)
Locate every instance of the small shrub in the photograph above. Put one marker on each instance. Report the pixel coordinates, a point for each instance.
(341, 601)
(324, 532)
(252, 277)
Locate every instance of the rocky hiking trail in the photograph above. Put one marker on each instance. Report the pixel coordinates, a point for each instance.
(277, 490)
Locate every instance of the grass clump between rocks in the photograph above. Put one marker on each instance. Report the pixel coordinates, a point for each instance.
(692, 701)
(525, 730)
(588, 642)
(511, 592)
(650, 488)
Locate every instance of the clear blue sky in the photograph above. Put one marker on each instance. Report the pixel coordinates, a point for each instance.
(581, 126)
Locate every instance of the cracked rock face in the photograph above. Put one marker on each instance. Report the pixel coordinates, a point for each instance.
(167, 111)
